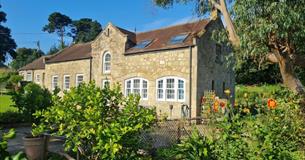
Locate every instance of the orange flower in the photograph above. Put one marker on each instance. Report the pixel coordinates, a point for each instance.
(215, 106)
(271, 104)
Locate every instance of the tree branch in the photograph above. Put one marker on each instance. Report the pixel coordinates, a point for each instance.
(215, 4)
(298, 60)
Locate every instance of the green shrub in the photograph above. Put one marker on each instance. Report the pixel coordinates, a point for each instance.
(31, 98)
(100, 123)
(276, 132)
(196, 147)
(12, 117)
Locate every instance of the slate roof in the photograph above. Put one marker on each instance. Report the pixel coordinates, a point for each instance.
(74, 52)
(160, 41)
(36, 64)
(161, 37)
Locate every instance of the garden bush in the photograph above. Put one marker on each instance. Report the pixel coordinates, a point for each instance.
(262, 125)
(99, 123)
(31, 98)
(13, 117)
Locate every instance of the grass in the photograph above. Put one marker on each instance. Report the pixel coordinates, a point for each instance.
(5, 103)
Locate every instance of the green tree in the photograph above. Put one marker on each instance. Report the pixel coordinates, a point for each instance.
(55, 48)
(85, 30)
(58, 23)
(7, 43)
(274, 30)
(266, 30)
(25, 56)
(100, 123)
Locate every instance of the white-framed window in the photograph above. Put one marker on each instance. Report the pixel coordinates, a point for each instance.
(106, 62)
(105, 82)
(37, 78)
(79, 79)
(28, 76)
(54, 82)
(137, 86)
(170, 89)
(66, 82)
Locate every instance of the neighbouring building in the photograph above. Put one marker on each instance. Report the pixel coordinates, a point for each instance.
(169, 67)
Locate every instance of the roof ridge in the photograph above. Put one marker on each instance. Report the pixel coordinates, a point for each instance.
(167, 27)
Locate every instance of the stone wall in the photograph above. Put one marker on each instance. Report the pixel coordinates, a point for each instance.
(209, 69)
(71, 68)
(40, 72)
(192, 64)
(150, 66)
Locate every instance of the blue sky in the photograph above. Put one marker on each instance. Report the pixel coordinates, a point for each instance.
(27, 17)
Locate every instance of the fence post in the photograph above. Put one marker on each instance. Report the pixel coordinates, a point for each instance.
(179, 132)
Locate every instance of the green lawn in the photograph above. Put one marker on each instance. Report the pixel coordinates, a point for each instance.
(5, 103)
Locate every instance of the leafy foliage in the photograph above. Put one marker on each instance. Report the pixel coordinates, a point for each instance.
(25, 56)
(252, 129)
(100, 123)
(4, 155)
(195, 147)
(85, 30)
(10, 80)
(256, 20)
(32, 98)
(8, 44)
(58, 23)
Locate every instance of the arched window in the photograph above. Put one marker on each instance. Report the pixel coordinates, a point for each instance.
(107, 62)
(137, 86)
(170, 89)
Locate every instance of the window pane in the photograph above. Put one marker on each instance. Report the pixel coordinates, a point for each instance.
(54, 82)
(180, 94)
(38, 78)
(29, 76)
(107, 62)
(67, 82)
(144, 93)
(170, 94)
(160, 94)
(170, 83)
(143, 44)
(128, 85)
(79, 79)
(178, 39)
(136, 86)
(180, 89)
(128, 91)
(107, 58)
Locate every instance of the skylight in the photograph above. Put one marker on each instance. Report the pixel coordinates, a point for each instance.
(143, 44)
(178, 39)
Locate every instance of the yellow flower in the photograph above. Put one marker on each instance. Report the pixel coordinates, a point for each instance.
(246, 110)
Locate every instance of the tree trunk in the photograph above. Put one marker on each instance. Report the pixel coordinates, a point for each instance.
(233, 37)
(290, 79)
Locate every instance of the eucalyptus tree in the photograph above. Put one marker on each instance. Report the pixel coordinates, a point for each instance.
(272, 30)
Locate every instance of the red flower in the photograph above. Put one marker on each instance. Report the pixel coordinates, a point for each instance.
(222, 104)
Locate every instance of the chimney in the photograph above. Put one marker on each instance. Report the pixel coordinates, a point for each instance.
(214, 14)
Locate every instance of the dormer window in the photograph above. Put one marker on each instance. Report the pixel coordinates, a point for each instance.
(178, 39)
(143, 44)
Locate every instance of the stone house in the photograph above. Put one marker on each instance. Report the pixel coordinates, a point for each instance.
(170, 68)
